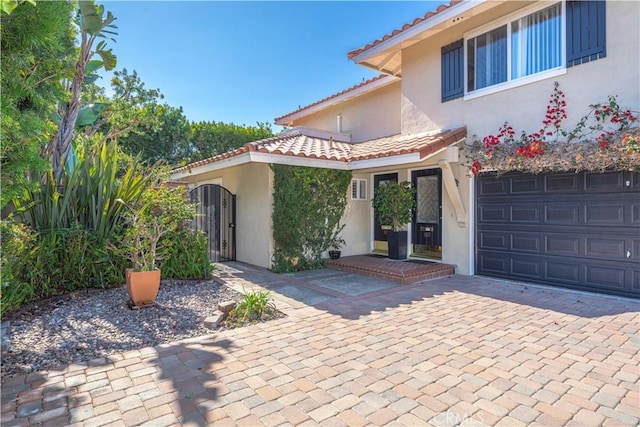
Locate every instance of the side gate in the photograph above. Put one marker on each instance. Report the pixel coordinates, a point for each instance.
(216, 208)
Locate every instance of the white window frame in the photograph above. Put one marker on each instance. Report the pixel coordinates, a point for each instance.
(511, 83)
(360, 195)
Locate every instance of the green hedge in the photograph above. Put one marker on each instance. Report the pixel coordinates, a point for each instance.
(186, 255)
(308, 204)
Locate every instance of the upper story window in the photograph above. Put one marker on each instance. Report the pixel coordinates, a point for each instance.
(521, 47)
(535, 43)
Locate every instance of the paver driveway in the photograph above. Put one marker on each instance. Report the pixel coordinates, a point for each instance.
(452, 351)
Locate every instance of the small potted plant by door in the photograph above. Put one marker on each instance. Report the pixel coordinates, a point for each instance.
(394, 203)
(160, 211)
(336, 244)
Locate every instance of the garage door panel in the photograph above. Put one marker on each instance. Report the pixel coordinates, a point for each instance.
(609, 214)
(605, 276)
(562, 214)
(562, 245)
(494, 241)
(525, 214)
(635, 250)
(562, 183)
(560, 272)
(493, 263)
(579, 230)
(635, 214)
(598, 247)
(494, 214)
(636, 280)
(526, 242)
(493, 187)
(525, 184)
(610, 181)
(526, 268)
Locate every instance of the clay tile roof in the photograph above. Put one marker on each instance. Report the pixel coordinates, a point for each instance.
(405, 27)
(424, 144)
(335, 95)
(296, 143)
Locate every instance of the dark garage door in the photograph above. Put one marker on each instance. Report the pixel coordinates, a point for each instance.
(577, 230)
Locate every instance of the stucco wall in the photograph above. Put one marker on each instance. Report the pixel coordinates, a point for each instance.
(523, 106)
(252, 185)
(368, 116)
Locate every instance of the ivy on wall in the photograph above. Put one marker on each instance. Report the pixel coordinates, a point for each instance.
(308, 204)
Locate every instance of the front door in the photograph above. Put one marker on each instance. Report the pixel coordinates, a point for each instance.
(380, 244)
(427, 220)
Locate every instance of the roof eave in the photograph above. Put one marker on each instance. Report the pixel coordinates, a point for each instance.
(433, 25)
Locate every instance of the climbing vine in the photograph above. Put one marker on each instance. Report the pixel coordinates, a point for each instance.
(606, 137)
(308, 204)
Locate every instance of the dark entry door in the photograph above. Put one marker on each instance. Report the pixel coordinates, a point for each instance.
(576, 230)
(379, 232)
(216, 209)
(427, 221)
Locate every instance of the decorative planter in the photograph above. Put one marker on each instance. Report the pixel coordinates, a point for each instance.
(334, 254)
(143, 287)
(397, 244)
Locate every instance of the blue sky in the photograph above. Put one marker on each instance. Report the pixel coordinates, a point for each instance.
(245, 62)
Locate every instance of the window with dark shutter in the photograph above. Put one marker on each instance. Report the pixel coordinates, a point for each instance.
(452, 71)
(586, 30)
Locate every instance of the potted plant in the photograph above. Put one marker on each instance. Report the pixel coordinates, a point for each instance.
(336, 244)
(394, 203)
(160, 211)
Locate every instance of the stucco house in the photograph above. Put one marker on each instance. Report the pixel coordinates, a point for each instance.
(463, 70)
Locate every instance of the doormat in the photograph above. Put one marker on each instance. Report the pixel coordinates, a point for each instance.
(376, 256)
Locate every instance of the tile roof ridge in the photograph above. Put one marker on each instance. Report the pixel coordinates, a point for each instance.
(404, 28)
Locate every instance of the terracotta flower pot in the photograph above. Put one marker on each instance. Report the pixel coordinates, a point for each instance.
(143, 286)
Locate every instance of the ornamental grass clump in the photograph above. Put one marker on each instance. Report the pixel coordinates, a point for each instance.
(253, 306)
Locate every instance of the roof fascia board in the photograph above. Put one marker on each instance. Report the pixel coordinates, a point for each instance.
(385, 161)
(386, 80)
(417, 29)
(213, 166)
(298, 161)
(451, 156)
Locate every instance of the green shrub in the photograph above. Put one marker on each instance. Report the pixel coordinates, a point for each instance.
(308, 204)
(74, 235)
(160, 210)
(185, 255)
(17, 241)
(37, 266)
(252, 307)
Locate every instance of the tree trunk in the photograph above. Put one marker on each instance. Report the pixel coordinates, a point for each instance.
(60, 145)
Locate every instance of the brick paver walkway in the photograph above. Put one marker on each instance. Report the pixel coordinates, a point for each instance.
(453, 351)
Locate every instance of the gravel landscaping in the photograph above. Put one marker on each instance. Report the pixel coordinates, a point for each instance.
(95, 323)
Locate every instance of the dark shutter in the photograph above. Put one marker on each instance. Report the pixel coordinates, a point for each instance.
(586, 31)
(452, 75)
